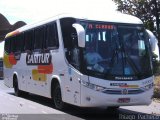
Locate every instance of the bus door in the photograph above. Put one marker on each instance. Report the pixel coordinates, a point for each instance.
(72, 82)
(72, 86)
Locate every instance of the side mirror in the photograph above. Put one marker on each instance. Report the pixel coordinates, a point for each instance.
(156, 64)
(81, 34)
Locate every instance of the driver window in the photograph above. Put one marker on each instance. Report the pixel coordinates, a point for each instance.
(70, 42)
(75, 51)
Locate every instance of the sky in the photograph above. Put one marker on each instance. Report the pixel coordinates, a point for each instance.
(31, 11)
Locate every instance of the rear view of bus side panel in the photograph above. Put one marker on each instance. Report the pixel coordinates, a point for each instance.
(7, 65)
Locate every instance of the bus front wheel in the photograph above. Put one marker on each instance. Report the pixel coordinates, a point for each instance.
(57, 98)
(16, 88)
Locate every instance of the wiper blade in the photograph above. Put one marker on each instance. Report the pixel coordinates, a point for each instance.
(132, 64)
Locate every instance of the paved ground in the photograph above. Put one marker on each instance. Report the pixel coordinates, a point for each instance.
(34, 107)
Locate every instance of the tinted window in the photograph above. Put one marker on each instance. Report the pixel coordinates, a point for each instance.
(70, 42)
(52, 36)
(12, 44)
(29, 40)
(20, 39)
(18, 43)
(39, 37)
(7, 45)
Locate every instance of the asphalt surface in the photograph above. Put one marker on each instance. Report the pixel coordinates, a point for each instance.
(33, 107)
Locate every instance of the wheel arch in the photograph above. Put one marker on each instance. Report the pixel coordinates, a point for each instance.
(15, 75)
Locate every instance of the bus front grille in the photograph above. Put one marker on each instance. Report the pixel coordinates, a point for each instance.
(123, 91)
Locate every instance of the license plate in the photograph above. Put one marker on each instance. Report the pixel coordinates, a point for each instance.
(123, 100)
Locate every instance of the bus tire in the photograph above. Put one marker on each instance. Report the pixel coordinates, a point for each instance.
(57, 98)
(16, 88)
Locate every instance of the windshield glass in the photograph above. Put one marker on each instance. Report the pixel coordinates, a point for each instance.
(116, 50)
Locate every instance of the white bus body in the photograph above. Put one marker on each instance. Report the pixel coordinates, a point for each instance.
(42, 56)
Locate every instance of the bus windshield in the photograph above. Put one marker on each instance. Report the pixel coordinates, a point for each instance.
(114, 50)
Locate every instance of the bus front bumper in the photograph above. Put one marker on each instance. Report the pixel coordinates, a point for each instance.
(92, 98)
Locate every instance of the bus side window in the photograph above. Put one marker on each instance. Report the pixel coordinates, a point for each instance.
(12, 44)
(29, 40)
(22, 42)
(52, 36)
(7, 45)
(70, 41)
(67, 33)
(39, 35)
(18, 43)
(75, 50)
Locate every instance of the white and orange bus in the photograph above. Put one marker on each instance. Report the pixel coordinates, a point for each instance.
(87, 61)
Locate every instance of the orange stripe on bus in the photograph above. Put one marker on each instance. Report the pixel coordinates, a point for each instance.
(46, 69)
(12, 59)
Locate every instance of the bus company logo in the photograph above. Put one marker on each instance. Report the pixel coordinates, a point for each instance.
(43, 63)
(118, 84)
(124, 78)
(38, 59)
(124, 91)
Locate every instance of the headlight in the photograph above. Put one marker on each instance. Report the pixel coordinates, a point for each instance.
(93, 86)
(147, 87)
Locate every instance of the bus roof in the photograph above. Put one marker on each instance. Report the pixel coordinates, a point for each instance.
(115, 17)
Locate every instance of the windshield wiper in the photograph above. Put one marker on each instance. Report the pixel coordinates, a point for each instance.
(114, 57)
(124, 55)
(132, 64)
(130, 61)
